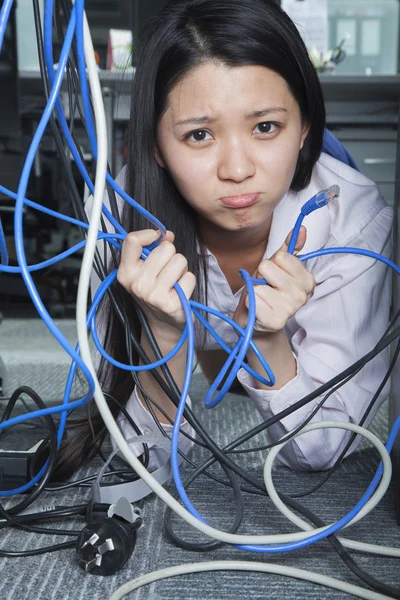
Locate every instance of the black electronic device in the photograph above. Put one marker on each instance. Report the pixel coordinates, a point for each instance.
(10, 126)
(9, 97)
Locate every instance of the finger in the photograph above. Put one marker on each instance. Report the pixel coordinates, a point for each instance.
(188, 284)
(301, 240)
(158, 259)
(275, 275)
(171, 273)
(169, 236)
(131, 264)
(287, 273)
(289, 264)
(267, 297)
(132, 248)
(270, 310)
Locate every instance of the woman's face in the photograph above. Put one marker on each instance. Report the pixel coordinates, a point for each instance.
(230, 139)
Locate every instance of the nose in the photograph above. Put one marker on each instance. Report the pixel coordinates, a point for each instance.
(235, 162)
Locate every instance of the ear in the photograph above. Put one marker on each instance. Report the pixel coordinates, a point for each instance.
(158, 157)
(304, 133)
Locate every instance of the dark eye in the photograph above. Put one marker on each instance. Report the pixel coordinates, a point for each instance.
(198, 136)
(267, 127)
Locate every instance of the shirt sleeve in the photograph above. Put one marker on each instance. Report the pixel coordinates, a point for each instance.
(343, 320)
(145, 422)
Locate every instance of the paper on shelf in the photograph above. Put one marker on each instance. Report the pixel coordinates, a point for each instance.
(311, 19)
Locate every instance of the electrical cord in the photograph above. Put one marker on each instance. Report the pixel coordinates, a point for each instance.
(351, 440)
(362, 421)
(207, 546)
(246, 566)
(37, 551)
(96, 121)
(85, 481)
(84, 286)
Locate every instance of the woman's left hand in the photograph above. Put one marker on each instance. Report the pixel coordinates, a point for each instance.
(289, 285)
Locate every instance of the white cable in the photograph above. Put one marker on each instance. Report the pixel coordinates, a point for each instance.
(233, 565)
(82, 297)
(370, 505)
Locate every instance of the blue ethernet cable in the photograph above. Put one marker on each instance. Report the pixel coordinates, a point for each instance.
(186, 384)
(67, 405)
(4, 16)
(126, 367)
(18, 227)
(317, 201)
(334, 527)
(44, 209)
(312, 204)
(91, 133)
(3, 247)
(55, 259)
(48, 52)
(89, 120)
(225, 347)
(191, 333)
(241, 349)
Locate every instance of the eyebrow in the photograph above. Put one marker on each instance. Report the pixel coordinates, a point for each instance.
(206, 119)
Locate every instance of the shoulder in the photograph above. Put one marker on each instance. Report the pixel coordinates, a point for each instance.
(360, 202)
(360, 208)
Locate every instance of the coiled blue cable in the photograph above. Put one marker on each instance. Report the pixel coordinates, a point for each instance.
(19, 243)
(246, 334)
(313, 204)
(44, 209)
(88, 116)
(55, 259)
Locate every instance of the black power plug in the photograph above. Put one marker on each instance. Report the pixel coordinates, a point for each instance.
(104, 545)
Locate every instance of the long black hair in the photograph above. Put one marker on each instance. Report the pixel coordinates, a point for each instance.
(184, 35)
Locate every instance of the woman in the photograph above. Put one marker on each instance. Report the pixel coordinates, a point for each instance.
(226, 132)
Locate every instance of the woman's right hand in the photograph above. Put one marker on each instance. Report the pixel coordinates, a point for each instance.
(151, 281)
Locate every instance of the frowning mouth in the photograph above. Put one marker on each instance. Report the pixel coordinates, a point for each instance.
(240, 201)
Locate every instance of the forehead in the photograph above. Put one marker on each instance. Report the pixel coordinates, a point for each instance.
(214, 87)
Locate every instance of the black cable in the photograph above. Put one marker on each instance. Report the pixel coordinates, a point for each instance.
(56, 513)
(86, 480)
(37, 551)
(221, 454)
(380, 346)
(132, 423)
(79, 210)
(349, 561)
(206, 546)
(47, 531)
(150, 401)
(353, 436)
(319, 406)
(134, 476)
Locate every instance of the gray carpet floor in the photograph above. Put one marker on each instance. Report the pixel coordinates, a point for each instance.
(56, 576)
